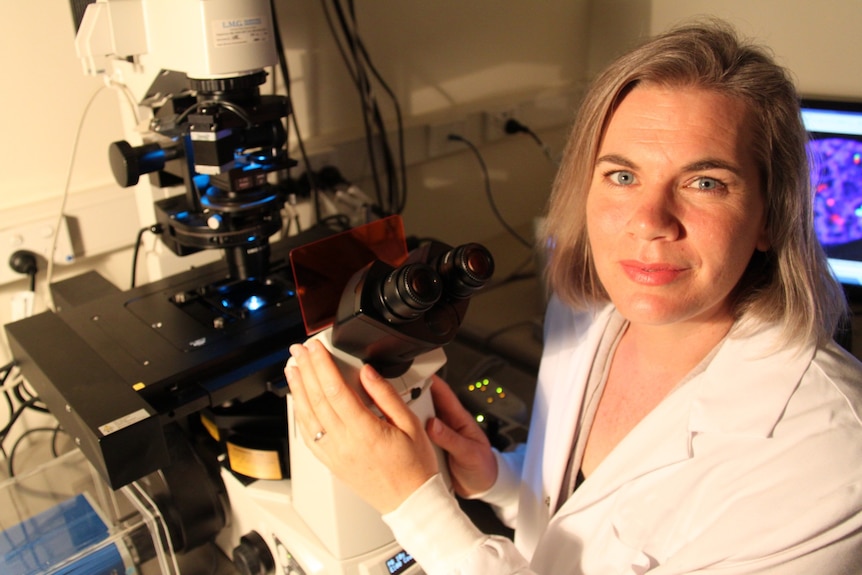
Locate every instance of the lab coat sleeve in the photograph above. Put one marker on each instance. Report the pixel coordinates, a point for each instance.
(432, 528)
(504, 494)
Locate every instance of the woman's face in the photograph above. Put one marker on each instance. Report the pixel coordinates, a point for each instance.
(675, 209)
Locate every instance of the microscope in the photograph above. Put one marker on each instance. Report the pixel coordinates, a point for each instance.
(395, 316)
(211, 131)
(137, 377)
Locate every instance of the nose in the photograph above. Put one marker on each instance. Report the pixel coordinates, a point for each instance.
(654, 215)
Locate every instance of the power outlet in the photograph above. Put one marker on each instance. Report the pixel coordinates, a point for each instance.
(37, 237)
(439, 144)
(494, 122)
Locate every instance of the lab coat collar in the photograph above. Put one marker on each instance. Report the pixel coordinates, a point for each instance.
(572, 362)
(743, 390)
(746, 387)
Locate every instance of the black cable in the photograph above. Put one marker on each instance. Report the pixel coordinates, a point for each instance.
(58, 429)
(361, 81)
(31, 399)
(285, 72)
(475, 150)
(156, 229)
(371, 108)
(396, 204)
(240, 112)
(10, 460)
(15, 415)
(356, 57)
(6, 370)
(11, 407)
(513, 126)
(399, 123)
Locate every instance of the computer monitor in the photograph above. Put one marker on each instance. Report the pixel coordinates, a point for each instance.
(835, 149)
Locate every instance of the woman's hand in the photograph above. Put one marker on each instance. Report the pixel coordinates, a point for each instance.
(382, 460)
(472, 465)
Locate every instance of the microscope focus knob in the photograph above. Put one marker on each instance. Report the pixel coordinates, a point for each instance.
(129, 163)
(252, 556)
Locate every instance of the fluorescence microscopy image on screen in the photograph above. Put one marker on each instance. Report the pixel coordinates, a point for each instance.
(835, 149)
(837, 175)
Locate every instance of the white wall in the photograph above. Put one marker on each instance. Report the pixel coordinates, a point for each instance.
(818, 41)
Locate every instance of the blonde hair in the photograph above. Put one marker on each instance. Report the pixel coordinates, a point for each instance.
(791, 283)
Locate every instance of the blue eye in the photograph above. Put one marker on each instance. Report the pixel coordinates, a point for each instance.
(622, 177)
(707, 184)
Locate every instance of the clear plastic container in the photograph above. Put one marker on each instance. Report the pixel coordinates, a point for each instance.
(61, 518)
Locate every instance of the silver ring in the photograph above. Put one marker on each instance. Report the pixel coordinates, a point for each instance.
(319, 435)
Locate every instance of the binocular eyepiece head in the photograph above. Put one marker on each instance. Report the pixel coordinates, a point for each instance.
(409, 291)
(389, 315)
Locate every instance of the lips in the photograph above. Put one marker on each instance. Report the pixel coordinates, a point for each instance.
(652, 274)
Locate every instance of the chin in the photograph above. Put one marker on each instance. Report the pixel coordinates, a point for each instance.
(650, 311)
(656, 312)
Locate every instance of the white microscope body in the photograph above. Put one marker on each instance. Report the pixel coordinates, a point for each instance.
(313, 519)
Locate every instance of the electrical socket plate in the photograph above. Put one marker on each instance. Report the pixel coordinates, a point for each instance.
(438, 142)
(36, 236)
(494, 122)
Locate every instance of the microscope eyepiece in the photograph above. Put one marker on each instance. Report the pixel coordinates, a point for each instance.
(409, 291)
(466, 269)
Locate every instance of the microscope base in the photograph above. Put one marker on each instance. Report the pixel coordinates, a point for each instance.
(266, 507)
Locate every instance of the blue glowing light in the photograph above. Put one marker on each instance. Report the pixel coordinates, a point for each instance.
(254, 303)
(201, 181)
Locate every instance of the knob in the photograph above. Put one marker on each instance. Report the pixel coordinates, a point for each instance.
(252, 556)
(128, 163)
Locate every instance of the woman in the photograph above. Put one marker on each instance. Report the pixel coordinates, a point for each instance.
(692, 414)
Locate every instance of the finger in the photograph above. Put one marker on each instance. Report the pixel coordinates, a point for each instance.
(336, 405)
(388, 401)
(339, 396)
(315, 371)
(447, 438)
(450, 410)
(472, 465)
(304, 415)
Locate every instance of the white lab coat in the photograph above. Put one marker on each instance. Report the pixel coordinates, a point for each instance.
(753, 466)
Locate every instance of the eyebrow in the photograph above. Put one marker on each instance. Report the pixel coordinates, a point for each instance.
(616, 159)
(713, 164)
(705, 164)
